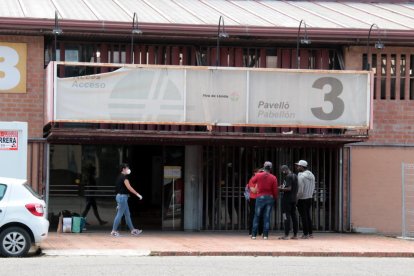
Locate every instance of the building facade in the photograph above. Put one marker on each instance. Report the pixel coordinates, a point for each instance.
(193, 175)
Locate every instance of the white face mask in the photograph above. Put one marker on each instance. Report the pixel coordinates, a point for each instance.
(128, 171)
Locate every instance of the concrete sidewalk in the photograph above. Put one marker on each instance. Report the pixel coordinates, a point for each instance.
(153, 243)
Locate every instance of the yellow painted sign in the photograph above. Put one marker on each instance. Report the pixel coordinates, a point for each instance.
(13, 62)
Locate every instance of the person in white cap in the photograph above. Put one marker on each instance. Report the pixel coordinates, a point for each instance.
(306, 186)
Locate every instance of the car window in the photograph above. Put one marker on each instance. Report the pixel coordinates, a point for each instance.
(32, 191)
(3, 189)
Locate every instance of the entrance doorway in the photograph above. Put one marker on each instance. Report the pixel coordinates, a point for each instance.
(163, 192)
(70, 186)
(146, 163)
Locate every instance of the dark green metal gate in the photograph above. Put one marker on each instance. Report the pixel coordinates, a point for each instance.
(227, 169)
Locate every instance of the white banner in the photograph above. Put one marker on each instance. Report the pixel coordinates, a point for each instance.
(311, 99)
(216, 96)
(139, 95)
(221, 96)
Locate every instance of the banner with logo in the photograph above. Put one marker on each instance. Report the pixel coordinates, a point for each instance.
(139, 95)
(218, 96)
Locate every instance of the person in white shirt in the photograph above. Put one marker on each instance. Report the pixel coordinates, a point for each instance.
(306, 187)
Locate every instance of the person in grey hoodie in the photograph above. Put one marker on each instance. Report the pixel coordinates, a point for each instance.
(306, 186)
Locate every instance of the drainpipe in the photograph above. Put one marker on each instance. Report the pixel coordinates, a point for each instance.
(349, 190)
(47, 168)
(341, 193)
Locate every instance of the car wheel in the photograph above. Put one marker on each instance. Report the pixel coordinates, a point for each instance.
(14, 242)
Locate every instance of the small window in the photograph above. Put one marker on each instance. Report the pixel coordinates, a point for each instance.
(3, 189)
(32, 191)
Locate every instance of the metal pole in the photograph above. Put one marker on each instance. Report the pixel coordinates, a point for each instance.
(47, 164)
(330, 191)
(200, 185)
(218, 42)
(213, 198)
(297, 45)
(135, 30)
(56, 31)
(54, 58)
(132, 49)
(132, 37)
(217, 51)
(206, 181)
(349, 189)
(368, 48)
(341, 194)
(220, 34)
(226, 188)
(173, 203)
(403, 200)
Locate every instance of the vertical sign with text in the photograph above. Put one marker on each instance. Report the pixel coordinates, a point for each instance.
(9, 140)
(13, 149)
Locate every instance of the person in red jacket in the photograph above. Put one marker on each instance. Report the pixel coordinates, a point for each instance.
(252, 204)
(266, 188)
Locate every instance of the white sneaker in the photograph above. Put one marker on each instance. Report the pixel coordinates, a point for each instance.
(136, 232)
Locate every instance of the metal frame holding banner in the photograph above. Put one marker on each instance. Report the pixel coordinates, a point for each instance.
(223, 96)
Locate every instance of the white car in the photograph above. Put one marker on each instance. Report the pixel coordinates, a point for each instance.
(23, 221)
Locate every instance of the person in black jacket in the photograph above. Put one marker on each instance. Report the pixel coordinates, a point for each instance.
(123, 188)
(89, 183)
(289, 198)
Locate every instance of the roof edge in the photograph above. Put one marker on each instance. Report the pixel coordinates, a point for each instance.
(45, 26)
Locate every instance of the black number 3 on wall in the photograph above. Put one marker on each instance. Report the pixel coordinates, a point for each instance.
(338, 105)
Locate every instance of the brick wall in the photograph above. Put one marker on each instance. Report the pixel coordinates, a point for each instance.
(28, 106)
(393, 119)
(393, 122)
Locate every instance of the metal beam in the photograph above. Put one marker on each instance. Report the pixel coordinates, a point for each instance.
(80, 135)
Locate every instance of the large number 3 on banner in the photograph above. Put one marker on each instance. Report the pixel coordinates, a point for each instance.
(338, 105)
(9, 74)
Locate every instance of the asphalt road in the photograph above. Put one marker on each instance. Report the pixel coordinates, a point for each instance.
(117, 265)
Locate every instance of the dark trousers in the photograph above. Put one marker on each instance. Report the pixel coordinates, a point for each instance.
(305, 208)
(252, 207)
(91, 202)
(289, 214)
